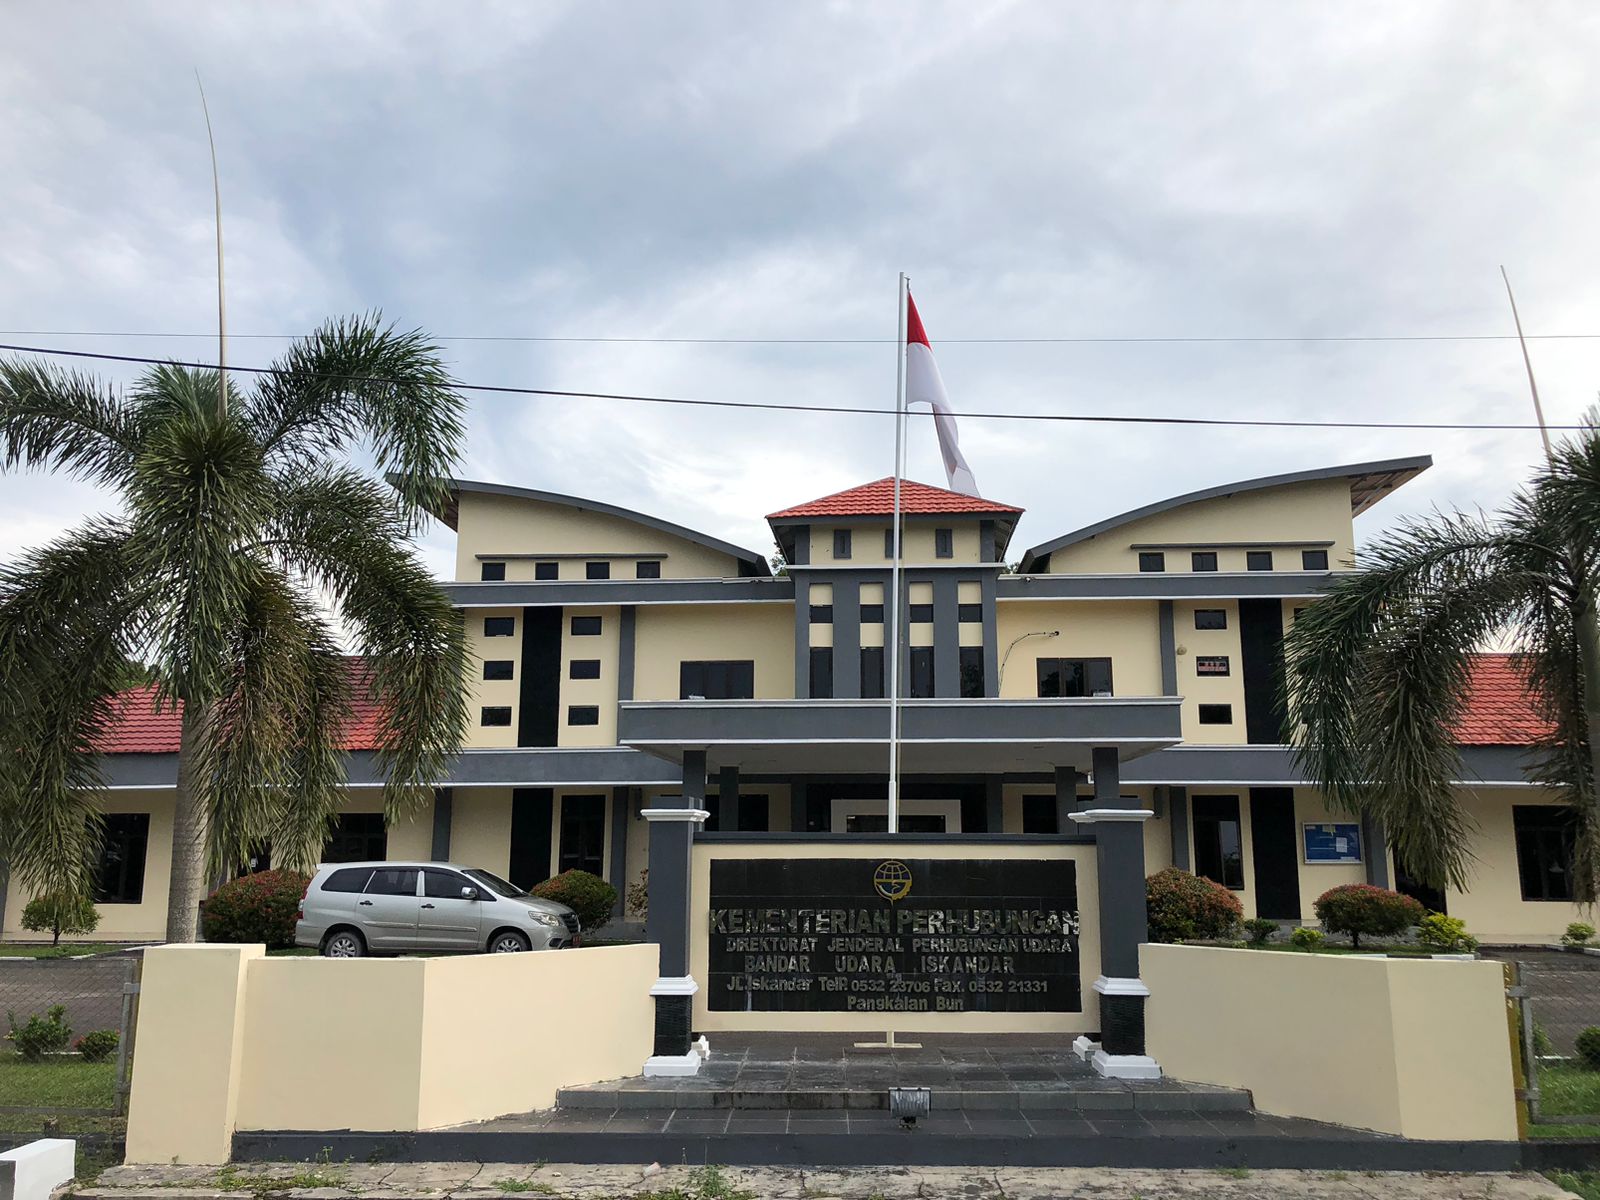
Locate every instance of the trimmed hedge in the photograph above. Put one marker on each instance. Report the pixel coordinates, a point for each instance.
(257, 908)
(591, 897)
(1588, 1046)
(1362, 908)
(1184, 906)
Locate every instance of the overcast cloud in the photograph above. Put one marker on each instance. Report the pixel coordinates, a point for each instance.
(736, 170)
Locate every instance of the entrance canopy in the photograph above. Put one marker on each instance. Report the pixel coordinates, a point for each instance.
(937, 736)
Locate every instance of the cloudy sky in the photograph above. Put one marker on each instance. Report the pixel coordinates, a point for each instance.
(738, 171)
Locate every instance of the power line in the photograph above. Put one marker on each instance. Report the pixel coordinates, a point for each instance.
(1084, 418)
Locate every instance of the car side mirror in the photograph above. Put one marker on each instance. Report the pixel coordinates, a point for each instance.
(469, 893)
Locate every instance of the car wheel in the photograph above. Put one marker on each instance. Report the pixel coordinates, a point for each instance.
(344, 943)
(508, 941)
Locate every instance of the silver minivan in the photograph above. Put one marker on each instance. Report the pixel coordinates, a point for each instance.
(353, 909)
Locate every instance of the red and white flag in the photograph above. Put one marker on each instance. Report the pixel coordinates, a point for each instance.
(923, 386)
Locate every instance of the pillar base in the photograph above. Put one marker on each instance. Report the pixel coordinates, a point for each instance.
(663, 1066)
(1124, 1066)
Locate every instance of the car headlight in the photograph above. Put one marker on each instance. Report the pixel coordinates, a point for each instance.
(548, 920)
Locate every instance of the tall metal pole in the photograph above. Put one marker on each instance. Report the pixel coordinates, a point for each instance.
(893, 650)
(1538, 409)
(222, 308)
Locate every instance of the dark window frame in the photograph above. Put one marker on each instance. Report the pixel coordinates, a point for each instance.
(583, 668)
(580, 845)
(499, 668)
(970, 661)
(1152, 562)
(1258, 560)
(820, 614)
(489, 716)
(873, 667)
(1205, 714)
(819, 665)
(841, 544)
(647, 568)
(1544, 836)
(124, 847)
(920, 614)
(1220, 614)
(1218, 850)
(547, 570)
(969, 614)
(1086, 671)
(1204, 561)
(499, 627)
(872, 614)
(717, 679)
(944, 543)
(1313, 560)
(589, 626)
(492, 572)
(599, 568)
(578, 715)
(923, 681)
(357, 837)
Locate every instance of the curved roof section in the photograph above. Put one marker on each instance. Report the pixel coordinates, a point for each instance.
(750, 563)
(1369, 483)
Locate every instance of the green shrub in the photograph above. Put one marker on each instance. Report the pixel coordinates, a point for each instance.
(1182, 906)
(56, 913)
(1258, 931)
(41, 1035)
(591, 897)
(1543, 1047)
(98, 1045)
(256, 908)
(1578, 935)
(1445, 935)
(1588, 1045)
(1361, 908)
(1307, 939)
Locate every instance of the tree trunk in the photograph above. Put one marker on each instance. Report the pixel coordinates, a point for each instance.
(1588, 624)
(187, 886)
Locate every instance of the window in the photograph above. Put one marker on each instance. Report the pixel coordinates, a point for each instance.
(443, 885)
(1313, 560)
(1039, 814)
(1218, 843)
(498, 668)
(585, 626)
(499, 626)
(1074, 676)
(583, 834)
(597, 570)
(841, 543)
(921, 613)
(1210, 618)
(547, 570)
(1216, 714)
(495, 714)
(120, 877)
(647, 569)
(583, 714)
(1152, 561)
(921, 672)
(393, 881)
(888, 542)
(1258, 560)
(872, 614)
(733, 680)
(967, 613)
(1211, 664)
(944, 543)
(821, 672)
(1203, 560)
(1545, 835)
(822, 614)
(971, 671)
(357, 837)
(492, 572)
(583, 668)
(872, 672)
(350, 879)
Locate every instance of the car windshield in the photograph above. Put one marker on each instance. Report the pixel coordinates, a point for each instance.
(494, 883)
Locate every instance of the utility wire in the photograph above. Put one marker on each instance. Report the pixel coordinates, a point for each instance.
(1089, 418)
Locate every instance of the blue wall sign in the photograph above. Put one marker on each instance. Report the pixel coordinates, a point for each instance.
(1332, 842)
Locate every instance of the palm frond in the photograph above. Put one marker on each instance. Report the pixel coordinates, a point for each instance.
(51, 418)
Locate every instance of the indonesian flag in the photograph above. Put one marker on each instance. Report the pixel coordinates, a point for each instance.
(923, 386)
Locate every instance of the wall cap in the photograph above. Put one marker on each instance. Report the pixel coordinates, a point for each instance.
(1111, 985)
(697, 815)
(1093, 816)
(674, 985)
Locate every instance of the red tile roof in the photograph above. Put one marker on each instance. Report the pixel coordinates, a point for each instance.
(1499, 710)
(876, 499)
(140, 727)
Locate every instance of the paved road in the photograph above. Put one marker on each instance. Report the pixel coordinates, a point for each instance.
(91, 989)
(1563, 988)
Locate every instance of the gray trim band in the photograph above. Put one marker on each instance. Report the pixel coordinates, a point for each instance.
(531, 593)
(1169, 649)
(626, 636)
(1186, 585)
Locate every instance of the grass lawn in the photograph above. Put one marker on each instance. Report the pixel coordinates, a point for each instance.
(64, 1081)
(1582, 1183)
(65, 950)
(1569, 1089)
(1394, 951)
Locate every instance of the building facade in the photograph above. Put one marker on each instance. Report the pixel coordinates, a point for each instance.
(618, 659)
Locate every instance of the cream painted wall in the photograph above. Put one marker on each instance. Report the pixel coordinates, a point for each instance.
(1198, 689)
(1316, 878)
(601, 692)
(1290, 517)
(867, 544)
(670, 634)
(496, 692)
(480, 828)
(1125, 631)
(1493, 908)
(491, 525)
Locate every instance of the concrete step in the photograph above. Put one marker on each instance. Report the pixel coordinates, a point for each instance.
(1100, 1096)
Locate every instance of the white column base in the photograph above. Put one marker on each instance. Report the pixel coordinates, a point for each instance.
(34, 1171)
(1083, 1047)
(1124, 1066)
(669, 1066)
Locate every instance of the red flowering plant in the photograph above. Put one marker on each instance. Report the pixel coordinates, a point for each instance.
(256, 908)
(1182, 907)
(1362, 908)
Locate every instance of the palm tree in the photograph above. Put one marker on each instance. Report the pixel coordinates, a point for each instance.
(1376, 670)
(243, 532)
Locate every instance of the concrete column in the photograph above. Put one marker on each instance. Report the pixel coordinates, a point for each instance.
(846, 637)
(797, 806)
(802, 636)
(1169, 649)
(673, 822)
(1119, 862)
(443, 806)
(728, 800)
(1066, 797)
(626, 632)
(991, 653)
(994, 805)
(621, 811)
(1375, 852)
(1178, 801)
(946, 636)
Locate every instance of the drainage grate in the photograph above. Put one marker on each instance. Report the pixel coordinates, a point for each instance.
(910, 1103)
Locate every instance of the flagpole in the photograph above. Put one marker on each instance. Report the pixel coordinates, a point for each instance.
(1538, 409)
(893, 626)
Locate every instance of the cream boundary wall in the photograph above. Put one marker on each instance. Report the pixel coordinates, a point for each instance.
(230, 1039)
(908, 1022)
(668, 634)
(491, 525)
(1411, 1047)
(1286, 518)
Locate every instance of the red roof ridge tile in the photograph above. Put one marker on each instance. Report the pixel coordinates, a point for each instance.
(877, 499)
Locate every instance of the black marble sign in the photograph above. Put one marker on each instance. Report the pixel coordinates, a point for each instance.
(893, 935)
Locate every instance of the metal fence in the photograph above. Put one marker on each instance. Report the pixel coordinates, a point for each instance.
(1558, 995)
(97, 993)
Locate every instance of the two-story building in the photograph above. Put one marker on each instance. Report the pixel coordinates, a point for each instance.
(617, 657)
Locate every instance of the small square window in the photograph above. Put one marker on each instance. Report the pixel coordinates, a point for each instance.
(649, 568)
(583, 714)
(944, 543)
(498, 668)
(822, 614)
(841, 543)
(1152, 561)
(499, 626)
(1313, 560)
(583, 668)
(1210, 618)
(969, 613)
(1216, 714)
(872, 614)
(1203, 560)
(585, 626)
(921, 614)
(1258, 560)
(547, 570)
(496, 714)
(492, 572)
(597, 570)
